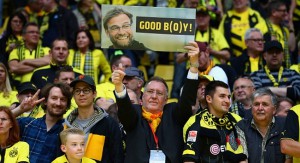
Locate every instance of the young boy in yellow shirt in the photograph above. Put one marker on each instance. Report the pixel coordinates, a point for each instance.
(72, 144)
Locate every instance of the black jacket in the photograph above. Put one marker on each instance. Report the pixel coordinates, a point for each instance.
(242, 64)
(62, 23)
(140, 139)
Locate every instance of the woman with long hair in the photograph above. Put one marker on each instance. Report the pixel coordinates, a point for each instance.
(87, 58)
(12, 149)
(12, 36)
(7, 95)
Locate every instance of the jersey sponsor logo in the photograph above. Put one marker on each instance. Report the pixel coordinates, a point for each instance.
(192, 137)
(45, 77)
(214, 149)
(13, 152)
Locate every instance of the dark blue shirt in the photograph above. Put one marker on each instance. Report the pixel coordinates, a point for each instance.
(44, 145)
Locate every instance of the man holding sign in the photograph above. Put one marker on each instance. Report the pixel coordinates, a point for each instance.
(117, 24)
(154, 130)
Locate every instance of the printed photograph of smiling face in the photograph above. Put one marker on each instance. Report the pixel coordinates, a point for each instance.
(143, 27)
(117, 25)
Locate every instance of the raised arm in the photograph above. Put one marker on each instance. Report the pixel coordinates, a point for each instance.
(126, 113)
(189, 92)
(27, 104)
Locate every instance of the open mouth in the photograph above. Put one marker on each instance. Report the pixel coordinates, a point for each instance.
(122, 37)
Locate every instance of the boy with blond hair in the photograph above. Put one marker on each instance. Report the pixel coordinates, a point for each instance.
(72, 144)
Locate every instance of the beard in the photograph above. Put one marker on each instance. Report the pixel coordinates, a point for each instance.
(121, 44)
(57, 115)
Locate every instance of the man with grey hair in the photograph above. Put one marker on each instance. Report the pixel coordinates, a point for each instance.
(262, 132)
(244, 64)
(243, 88)
(117, 24)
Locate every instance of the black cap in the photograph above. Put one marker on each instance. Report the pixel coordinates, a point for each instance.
(26, 86)
(134, 72)
(84, 78)
(274, 44)
(202, 10)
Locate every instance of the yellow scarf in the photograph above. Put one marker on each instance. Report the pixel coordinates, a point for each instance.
(211, 65)
(45, 23)
(271, 77)
(153, 119)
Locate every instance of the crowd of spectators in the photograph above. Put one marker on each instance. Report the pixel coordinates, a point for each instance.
(236, 89)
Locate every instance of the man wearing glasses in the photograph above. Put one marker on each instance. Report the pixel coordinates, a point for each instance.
(102, 133)
(117, 24)
(275, 28)
(29, 56)
(154, 130)
(243, 88)
(251, 59)
(281, 81)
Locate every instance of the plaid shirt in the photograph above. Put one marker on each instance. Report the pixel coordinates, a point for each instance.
(44, 145)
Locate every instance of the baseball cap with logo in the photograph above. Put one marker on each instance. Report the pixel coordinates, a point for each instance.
(86, 79)
(26, 86)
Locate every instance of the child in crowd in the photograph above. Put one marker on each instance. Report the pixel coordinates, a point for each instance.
(72, 144)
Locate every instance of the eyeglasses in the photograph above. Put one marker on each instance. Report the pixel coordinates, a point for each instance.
(84, 91)
(33, 32)
(257, 40)
(242, 87)
(152, 92)
(116, 28)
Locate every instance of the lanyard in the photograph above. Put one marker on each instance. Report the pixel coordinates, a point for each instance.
(155, 137)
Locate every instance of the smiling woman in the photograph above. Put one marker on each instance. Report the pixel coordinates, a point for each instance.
(12, 36)
(12, 148)
(87, 58)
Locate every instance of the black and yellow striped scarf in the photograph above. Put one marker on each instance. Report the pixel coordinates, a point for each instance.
(286, 46)
(39, 52)
(89, 18)
(45, 23)
(13, 40)
(32, 15)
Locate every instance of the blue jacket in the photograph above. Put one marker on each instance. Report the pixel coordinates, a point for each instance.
(272, 153)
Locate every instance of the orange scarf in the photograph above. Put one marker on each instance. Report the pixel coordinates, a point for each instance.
(153, 119)
(211, 65)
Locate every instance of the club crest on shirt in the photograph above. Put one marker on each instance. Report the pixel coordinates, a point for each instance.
(13, 152)
(192, 136)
